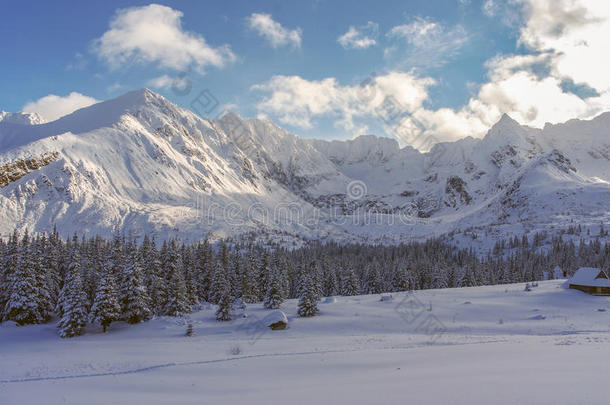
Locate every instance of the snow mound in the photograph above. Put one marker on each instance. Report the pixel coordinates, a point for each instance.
(276, 320)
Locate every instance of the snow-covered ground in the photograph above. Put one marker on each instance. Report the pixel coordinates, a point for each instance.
(482, 345)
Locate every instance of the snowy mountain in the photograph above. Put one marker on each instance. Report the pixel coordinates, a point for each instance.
(147, 165)
(21, 118)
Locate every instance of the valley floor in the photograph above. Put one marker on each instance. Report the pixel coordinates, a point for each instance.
(482, 345)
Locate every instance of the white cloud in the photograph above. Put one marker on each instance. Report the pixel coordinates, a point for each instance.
(577, 33)
(560, 42)
(567, 41)
(424, 42)
(154, 34)
(52, 107)
(361, 37)
(273, 31)
(166, 82)
(509, 12)
(297, 101)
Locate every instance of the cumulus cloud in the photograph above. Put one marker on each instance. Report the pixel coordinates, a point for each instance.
(52, 107)
(424, 42)
(361, 37)
(566, 43)
(559, 74)
(154, 34)
(576, 32)
(274, 32)
(297, 101)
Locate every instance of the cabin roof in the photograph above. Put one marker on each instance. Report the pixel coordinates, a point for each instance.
(590, 276)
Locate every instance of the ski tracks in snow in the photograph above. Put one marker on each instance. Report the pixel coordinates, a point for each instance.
(227, 359)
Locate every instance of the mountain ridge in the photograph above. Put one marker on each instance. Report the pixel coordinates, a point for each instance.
(147, 165)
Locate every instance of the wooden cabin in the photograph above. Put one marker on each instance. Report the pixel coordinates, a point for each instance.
(591, 280)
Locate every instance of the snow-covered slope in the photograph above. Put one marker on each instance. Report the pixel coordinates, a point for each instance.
(147, 165)
(481, 345)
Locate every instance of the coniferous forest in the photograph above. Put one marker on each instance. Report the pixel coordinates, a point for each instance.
(79, 280)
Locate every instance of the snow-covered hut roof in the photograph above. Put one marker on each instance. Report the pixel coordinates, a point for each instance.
(274, 317)
(590, 276)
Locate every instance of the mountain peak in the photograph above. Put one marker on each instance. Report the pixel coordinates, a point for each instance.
(138, 98)
(507, 121)
(506, 129)
(21, 118)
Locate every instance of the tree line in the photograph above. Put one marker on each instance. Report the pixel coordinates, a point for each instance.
(96, 280)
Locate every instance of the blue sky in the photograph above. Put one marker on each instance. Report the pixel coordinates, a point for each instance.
(450, 67)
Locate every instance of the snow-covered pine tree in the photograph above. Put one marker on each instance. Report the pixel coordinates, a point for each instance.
(274, 296)
(117, 261)
(225, 304)
(234, 274)
(89, 264)
(264, 275)
(249, 279)
(24, 299)
(106, 308)
(308, 302)
(72, 300)
(249, 285)
(188, 263)
(52, 255)
(204, 269)
(135, 302)
(177, 301)
(10, 262)
(400, 280)
(351, 284)
(331, 286)
(42, 277)
(220, 280)
(374, 282)
(156, 285)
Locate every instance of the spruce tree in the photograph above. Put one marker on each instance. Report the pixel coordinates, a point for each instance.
(72, 300)
(222, 292)
(156, 284)
(204, 270)
(308, 302)
(106, 308)
(249, 282)
(264, 275)
(24, 299)
(189, 271)
(225, 305)
(274, 297)
(10, 264)
(351, 284)
(42, 279)
(53, 252)
(135, 301)
(177, 300)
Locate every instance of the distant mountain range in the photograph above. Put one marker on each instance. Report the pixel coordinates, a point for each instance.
(143, 163)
